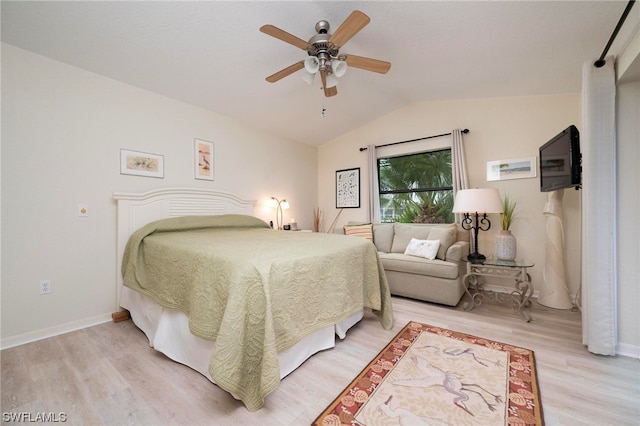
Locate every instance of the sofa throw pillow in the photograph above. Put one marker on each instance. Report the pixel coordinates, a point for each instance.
(446, 234)
(363, 231)
(423, 248)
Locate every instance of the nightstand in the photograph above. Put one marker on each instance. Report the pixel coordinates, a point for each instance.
(494, 268)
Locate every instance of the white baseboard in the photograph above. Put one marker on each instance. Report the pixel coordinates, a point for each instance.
(21, 339)
(631, 351)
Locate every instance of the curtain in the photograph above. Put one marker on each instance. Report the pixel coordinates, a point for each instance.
(598, 145)
(459, 170)
(374, 191)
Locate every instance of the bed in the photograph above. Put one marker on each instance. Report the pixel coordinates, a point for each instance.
(218, 290)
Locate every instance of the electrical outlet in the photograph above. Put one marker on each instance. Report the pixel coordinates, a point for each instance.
(45, 286)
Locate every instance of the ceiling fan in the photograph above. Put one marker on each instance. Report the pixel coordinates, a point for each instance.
(324, 55)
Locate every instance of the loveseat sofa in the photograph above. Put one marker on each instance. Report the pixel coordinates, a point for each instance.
(437, 280)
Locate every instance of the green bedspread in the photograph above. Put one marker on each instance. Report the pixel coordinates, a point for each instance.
(253, 290)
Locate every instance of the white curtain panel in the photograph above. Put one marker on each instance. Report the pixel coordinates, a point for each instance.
(598, 145)
(458, 165)
(374, 198)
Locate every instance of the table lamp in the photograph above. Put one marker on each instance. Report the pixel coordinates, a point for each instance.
(478, 202)
(279, 205)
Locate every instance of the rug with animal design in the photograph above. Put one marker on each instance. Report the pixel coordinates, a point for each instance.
(433, 376)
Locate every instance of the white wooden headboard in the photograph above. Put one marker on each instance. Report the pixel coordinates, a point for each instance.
(137, 209)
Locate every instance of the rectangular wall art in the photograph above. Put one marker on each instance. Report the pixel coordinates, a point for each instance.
(141, 164)
(348, 188)
(515, 168)
(203, 159)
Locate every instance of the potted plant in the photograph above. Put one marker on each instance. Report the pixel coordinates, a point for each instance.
(508, 212)
(505, 241)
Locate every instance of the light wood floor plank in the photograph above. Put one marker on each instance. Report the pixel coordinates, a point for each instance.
(108, 375)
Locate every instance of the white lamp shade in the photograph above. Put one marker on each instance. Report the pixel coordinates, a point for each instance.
(331, 80)
(339, 68)
(478, 200)
(308, 77)
(284, 204)
(312, 64)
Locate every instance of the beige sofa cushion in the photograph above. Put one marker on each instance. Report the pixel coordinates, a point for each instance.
(419, 266)
(447, 235)
(383, 236)
(403, 232)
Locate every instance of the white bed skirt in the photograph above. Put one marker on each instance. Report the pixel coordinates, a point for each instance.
(168, 332)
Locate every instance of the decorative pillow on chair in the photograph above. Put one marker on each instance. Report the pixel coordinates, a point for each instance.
(423, 248)
(363, 231)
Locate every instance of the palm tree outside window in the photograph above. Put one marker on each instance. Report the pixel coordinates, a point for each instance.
(416, 188)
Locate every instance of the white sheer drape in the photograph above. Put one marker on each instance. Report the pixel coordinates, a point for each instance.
(374, 193)
(598, 144)
(458, 165)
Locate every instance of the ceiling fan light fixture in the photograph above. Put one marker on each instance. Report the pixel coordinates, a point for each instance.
(311, 64)
(308, 77)
(332, 81)
(339, 67)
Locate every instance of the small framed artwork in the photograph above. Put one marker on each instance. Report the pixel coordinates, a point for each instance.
(514, 168)
(203, 159)
(348, 188)
(141, 164)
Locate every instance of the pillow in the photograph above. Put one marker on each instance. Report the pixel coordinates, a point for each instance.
(403, 232)
(447, 235)
(363, 231)
(423, 248)
(383, 236)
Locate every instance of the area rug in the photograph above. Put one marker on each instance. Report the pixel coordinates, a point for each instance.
(434, 376)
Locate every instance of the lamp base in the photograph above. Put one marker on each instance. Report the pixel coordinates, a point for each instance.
(476, 257)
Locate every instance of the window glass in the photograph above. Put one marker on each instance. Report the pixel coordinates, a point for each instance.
(416, 188)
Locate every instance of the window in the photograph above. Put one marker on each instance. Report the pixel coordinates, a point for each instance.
(416, 188)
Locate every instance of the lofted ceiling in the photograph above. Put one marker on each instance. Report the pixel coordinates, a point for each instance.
(211, 54)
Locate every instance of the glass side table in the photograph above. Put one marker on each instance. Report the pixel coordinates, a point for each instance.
(515, 269)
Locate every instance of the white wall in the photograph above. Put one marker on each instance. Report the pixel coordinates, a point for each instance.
(62, 131)
(500, 128)
(628, 230)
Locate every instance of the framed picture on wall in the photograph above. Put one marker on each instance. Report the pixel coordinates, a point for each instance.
(348, 188)
(141, 164)
(515, 168)
(203, 160)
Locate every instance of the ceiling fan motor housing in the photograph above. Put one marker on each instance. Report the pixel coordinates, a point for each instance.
(320, 47)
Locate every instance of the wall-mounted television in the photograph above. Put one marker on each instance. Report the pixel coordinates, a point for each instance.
(560, 161)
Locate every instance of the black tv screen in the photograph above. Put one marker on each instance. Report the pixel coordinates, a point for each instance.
(560, 161)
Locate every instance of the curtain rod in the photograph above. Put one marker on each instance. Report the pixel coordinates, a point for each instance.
(601, 62)
(414, 140)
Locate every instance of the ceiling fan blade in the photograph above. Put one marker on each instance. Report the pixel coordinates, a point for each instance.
(284, 36)
(285, 72)
(368, 64)
(328, 91)
(350, 27)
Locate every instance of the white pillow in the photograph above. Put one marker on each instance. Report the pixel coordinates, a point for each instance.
(423, 248)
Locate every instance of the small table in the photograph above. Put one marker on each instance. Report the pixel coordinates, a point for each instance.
(515, 269)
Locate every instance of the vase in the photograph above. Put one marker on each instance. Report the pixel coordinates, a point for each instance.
(505, 245)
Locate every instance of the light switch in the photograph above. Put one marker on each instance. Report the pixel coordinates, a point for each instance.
(83, 210)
